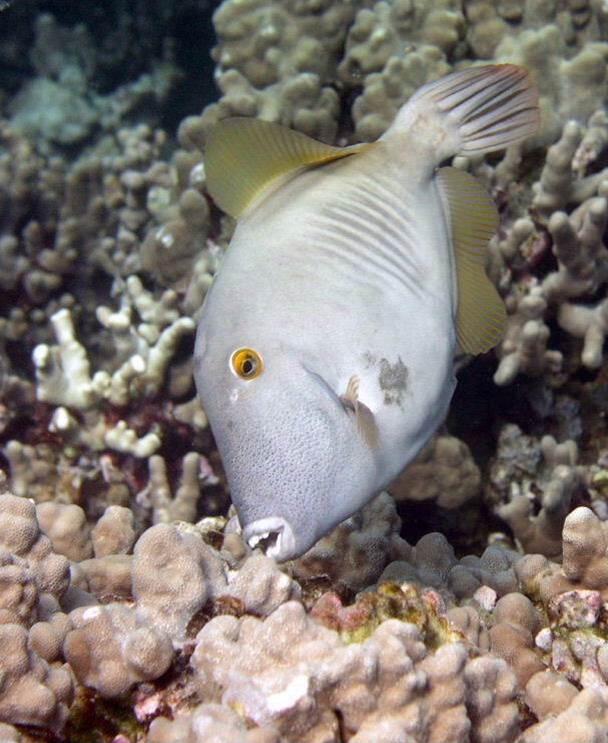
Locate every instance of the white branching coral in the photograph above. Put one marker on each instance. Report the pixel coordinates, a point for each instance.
(63, 371)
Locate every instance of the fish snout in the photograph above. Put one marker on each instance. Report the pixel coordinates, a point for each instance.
(275, 534)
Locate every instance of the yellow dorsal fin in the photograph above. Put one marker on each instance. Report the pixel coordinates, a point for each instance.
(243, 156)
(481, 313)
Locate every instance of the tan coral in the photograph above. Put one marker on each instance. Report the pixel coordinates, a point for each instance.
(516, 622)
(548, 693)
(261, 586)
(107, 577)
(293, 674)
(110, 652)
(392, 49)
(18, 591)
(20, 535)
(585, 560)
(385, 91)
(33, 693)
(214, 722)
(181, 506)
(444, 472)
(114, 533)
(356, 552)
(66, 526)
(174, 574)
(275, 62)
(585, 720)
(531, 486)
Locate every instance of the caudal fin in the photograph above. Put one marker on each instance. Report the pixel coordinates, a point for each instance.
(474, 111)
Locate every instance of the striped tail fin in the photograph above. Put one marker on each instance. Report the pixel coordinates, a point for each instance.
(471, 112)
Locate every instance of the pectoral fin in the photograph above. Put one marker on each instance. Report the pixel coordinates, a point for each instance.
(481, 316)
(243, 157)
(366, 423)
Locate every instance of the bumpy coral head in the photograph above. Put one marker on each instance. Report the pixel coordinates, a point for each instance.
(295, 462)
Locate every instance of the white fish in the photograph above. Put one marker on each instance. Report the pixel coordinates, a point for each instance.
(324, 354)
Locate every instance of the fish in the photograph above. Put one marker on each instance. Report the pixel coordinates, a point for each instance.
(324, 356)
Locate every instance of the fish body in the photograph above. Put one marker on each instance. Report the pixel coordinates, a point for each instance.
(341, 279)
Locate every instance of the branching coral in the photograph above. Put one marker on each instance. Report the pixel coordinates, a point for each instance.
(393, 49)
(65, 61)
(531, 486)
(275, 61)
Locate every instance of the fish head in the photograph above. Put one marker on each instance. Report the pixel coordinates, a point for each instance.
(295, 461)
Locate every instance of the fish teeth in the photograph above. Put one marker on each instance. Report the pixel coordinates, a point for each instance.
(255, 539)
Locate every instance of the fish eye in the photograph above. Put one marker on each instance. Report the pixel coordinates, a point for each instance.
(246, 363)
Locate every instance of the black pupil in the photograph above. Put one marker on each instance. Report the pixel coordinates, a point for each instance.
(248, 367)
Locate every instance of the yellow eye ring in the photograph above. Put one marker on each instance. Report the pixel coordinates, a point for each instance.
(246, 363)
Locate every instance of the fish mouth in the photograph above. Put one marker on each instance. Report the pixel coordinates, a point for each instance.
(274, 534)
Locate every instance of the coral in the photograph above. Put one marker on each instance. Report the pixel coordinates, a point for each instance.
(548, 693)
(585, 545)
(63, 371)
(174, 575)
(183, 506)
(356, 552)
(114, 533)
(584, 721)
(110, 652)
(20, 536)
(31, 191)
(33, 693)
(260, 586)
(66, 526)
(443, 472)
(59, 106)
(393, 49)
(558, 76)
(274, 62)
(576, 241)
(432, 562)
(584, 568)
(516, 623)
(18, 592)
(212, 721)
(301, 676)
(171, 576)
(107, 577)
(32, 580)
(590, 324)
(531, 485)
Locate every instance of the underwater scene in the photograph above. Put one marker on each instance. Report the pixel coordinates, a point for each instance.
(303, 374)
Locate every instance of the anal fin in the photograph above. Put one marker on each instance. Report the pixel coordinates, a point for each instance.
(481, 315)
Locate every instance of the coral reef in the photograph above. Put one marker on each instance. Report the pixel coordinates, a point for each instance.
(417, 653)
(130, 607)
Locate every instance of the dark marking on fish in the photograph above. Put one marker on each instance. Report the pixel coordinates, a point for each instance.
(393, 381)
(369, 359)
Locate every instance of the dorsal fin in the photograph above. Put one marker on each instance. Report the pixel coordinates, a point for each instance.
(244, 156)
(481, 313)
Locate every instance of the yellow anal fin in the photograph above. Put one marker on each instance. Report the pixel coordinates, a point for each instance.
(481, 316)
(244, 156)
